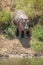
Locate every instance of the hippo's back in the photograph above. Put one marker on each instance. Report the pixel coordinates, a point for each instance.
(20, 15)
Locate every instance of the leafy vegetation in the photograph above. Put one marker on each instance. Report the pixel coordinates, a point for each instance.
(5, 19)
(6, 24)
(37, 35)
(31, 7)
(37, 45)
(37, 31)
(11, 31)
(38, 5)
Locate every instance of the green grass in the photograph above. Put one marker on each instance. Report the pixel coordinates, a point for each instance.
(19, 61)
(36, 45)
(11, 31)
(5, 17)
(37, 38)
(25, 5)
(37, 32)
(31, 7)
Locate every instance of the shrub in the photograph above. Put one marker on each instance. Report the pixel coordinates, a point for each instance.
(37, 36)
(41, 20)
(37, 32)
(38, 5)
(11, 31)
(37, 45)
(5, 19)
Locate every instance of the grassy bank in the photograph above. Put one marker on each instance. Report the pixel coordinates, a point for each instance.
(34, 10)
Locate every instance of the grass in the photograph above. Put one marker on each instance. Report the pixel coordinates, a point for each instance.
(25, 5)
(31, 7)
(5, 17)
(19, 61)
(37, 31)
(36, 45)
(37, 35)
(11, 31)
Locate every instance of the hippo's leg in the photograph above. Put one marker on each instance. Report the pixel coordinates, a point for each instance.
(17, 32)
(28, 34)
(22, 34)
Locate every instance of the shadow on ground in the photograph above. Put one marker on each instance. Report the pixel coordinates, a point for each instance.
(25, 42)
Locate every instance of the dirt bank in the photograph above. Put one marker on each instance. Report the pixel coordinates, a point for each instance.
(17, 48)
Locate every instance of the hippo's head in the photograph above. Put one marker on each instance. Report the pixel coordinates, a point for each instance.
(23, 24)
(26, 24)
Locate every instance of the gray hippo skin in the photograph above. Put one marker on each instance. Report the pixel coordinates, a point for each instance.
(22, 22)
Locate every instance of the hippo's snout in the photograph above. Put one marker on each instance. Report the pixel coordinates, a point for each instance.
(26, 25)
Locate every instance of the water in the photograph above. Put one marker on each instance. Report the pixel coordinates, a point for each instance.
(19, 61)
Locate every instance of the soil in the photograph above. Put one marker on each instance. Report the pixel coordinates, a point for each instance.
(16, 48)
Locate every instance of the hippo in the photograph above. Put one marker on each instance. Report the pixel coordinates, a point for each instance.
(22, 22)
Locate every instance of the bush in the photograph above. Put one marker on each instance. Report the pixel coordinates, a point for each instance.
(37, 32)
(6, 24)
(11, 31)
(41, 20)
(37, 36)
(38, 5)
(37, 45)
(5, 19)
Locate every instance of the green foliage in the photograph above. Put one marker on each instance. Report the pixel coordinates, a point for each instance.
(37, 35)
(38, 5)
(37, 45)
(11, 31)
(5, 17)
(31, 7)
(24, 5)
(41, 20)
(7, 24)
(37, 32)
